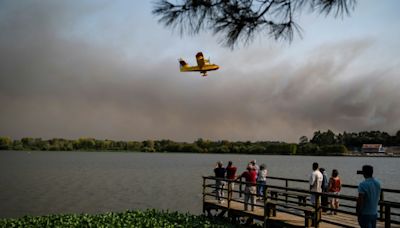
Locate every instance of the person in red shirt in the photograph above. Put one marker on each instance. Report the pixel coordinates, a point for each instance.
(334, 187)
(231, 175)
(250, 190)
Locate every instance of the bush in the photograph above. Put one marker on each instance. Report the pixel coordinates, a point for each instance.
(5, 143)
(148, 218)
(334, 149)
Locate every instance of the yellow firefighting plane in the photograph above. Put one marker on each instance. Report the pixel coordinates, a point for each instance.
(203, 65)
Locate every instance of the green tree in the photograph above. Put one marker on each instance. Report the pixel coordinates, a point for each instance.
(333, 150)
(119, 145)
(303, 140)
(203, 144)
(148, 146)
(134, 146)
(86, 144)
(191, 147)
(309, 149)
(397, 138)
(323, 138)
(240, 20)
(42, 144)
(56, 144)
(17, 145)
(28, 143)
(5, 143)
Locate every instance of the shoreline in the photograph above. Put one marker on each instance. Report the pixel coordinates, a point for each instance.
(191, 152)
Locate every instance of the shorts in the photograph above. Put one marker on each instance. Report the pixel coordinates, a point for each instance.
(334, 199)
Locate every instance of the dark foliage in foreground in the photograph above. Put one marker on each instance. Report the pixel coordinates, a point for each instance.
(149, 218)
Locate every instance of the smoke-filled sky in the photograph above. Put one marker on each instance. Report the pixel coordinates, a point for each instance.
(109, 70)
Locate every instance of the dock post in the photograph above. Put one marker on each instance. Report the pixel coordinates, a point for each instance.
(387, 216)
(240, 187)
(287, 185)
(204, 192)
(382, 208)
(317, 211)
(229, 195)
(266, 215)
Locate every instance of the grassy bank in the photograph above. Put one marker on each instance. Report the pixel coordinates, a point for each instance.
(148, 218)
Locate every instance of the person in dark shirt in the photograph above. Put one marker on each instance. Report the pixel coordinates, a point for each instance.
(220, 175)
(231, 175)
(250, 176)
(324, 186)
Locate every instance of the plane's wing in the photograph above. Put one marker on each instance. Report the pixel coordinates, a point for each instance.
(200, 59)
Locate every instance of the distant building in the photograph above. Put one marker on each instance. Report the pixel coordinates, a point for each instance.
(372, 148)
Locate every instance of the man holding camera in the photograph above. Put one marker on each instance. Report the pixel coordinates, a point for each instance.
(368, 198)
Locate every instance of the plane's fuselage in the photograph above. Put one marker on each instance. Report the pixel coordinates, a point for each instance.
(203, 65)
(208, 67)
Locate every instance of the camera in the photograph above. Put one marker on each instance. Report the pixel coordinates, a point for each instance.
(360, 172)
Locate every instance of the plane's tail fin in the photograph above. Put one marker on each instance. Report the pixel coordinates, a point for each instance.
(182, 63)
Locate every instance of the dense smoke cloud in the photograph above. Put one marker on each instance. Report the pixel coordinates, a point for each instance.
(55, 82)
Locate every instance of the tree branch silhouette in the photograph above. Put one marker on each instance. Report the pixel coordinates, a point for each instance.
(240, 20)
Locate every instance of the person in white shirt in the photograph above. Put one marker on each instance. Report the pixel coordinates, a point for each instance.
(316, 179)
(261, 180)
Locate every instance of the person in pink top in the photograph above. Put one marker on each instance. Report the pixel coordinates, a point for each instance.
(334, 187)
(250, 176)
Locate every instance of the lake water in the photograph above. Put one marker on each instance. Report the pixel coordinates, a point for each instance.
(39, 183)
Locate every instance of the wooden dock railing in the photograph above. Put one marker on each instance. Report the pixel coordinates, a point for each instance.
(284, 203)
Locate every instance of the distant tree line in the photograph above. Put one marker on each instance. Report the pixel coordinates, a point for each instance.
(322, 143)
(329, 142)
(198, 146)
(356, 139)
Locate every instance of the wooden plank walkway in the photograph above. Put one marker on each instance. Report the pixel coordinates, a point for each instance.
(286, 219)
(284, 206)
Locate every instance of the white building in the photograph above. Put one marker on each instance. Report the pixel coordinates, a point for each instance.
(372, 148)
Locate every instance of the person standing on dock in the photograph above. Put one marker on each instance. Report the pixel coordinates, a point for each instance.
(316, 179)
(253, 164)
(231, 175)
(368, 197)
(334, 187)
(324, 186)
(250, 190)
(261, 180)
(220, 175)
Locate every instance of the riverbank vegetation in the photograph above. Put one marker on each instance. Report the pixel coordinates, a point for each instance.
(148, 218)
(322, 143)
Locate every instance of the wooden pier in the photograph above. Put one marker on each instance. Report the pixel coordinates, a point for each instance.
(284, 206)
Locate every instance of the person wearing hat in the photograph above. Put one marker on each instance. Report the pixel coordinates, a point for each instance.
(250, 190)
(368, 197)
(253, 164)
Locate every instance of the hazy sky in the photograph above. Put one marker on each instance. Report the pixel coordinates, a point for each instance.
(108, 69)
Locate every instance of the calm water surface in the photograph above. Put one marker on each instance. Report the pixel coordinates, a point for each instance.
(39, 183)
